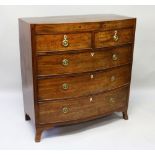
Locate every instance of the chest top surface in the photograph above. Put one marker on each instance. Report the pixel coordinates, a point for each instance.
(74, 19)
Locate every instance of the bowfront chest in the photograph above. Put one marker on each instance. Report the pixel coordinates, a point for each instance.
(75, 68)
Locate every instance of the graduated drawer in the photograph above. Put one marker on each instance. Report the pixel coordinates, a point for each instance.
(61, 42)
(114, 37)
(55, 64)
(82, 84)
(83, 107)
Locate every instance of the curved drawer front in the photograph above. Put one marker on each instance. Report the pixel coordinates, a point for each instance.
(56, 64)
(82, 84)
(61, 42)
(114, 37)
(84, 107)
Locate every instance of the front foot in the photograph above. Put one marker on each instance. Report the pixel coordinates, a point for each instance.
(125, 115)
(38, 134)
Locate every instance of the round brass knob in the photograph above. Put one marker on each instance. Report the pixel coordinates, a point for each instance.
(65, 110)
(65, 62)
(114, 57)
(65, 86)
(65, 41)
(113, 78)
(115, 36)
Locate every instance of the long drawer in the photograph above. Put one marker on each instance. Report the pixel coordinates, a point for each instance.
(84, 107)
(55, 64)
(82, 84)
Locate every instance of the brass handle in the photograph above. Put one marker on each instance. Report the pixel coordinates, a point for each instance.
(115, 36)
(65, 41)
(114, 57)
(65, 86)
(65, 62)
(65, 110)
(113, 78)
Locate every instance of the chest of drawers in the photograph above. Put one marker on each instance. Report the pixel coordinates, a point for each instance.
(75, 68)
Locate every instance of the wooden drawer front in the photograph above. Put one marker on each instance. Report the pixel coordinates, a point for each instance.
(84, 107)
(63, 28)
(55, 42)
(113, 38)
(82, 62)
(82, 84)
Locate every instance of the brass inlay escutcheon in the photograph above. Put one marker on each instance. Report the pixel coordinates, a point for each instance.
(91, 76)
(112, 100)
(114, 57)
(113, 78)
(115, 36)
(65, 62)
(92, 54)
(65, 86)
(65, 42)
(90, 99)
(65, 110)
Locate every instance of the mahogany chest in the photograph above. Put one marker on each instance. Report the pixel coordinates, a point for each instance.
(75, 68)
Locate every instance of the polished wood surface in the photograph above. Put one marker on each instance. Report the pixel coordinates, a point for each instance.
(83, 27)
(83, 84)
(87, 78)
(54, 42)
(52, 64)
(105, 39)
(83, 107)
(26, 70)
(76, 19)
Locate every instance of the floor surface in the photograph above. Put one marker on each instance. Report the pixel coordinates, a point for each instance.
(111, 132)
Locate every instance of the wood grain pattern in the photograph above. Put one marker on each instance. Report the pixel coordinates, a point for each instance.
(97, 85)
(105, 39)
(118, 24)
(83, 27)
(63, 28)
(81, 108)
(81, 85)
(83, 61)
(54, 42)
(91, 18)
(26, 69)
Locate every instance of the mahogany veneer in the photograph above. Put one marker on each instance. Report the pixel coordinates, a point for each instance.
(75, 68)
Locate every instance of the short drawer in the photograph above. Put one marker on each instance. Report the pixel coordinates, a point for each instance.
(61, 42)
(55, 64)
(114, 37)
(82, 84)
(84, 107)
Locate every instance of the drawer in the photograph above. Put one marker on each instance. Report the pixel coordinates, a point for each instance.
(55, 64)
(84, 107)
(82, 84)
(114, 37)
(61, 42)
